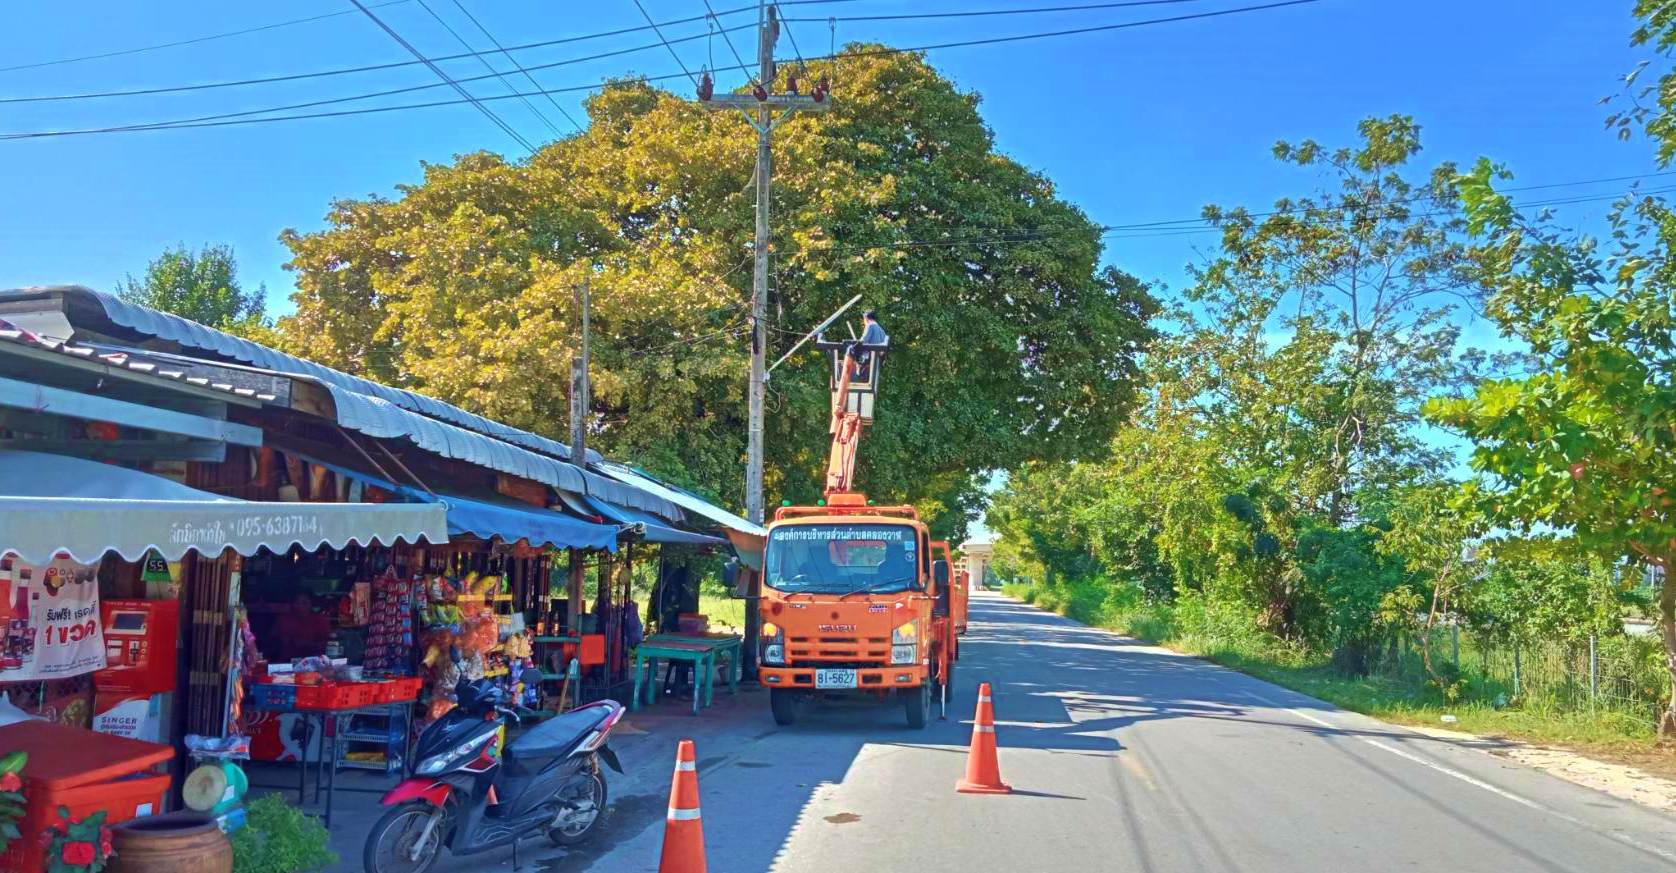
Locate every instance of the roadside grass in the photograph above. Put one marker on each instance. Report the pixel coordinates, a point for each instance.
(724, 612)
(1615, 735)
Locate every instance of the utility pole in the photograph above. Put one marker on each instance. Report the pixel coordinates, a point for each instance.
(579, 405)
(765, 111)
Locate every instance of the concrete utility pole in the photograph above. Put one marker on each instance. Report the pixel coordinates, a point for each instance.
(765, 111)
(579, 405)
(579, 381)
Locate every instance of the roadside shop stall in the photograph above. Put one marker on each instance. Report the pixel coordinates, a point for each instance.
(122, 589)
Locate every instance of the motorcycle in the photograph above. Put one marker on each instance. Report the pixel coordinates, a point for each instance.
(468, 797)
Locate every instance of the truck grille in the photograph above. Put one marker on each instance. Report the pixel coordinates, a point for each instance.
(862, 650)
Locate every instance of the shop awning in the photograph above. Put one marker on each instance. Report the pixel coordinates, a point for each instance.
(509, 521)
(651, 528)
(748, 538)
(55, 503)
(541, 527)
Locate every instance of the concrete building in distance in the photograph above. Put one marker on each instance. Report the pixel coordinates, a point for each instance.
(976, 556)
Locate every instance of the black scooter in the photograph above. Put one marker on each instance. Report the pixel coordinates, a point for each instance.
(470, 798)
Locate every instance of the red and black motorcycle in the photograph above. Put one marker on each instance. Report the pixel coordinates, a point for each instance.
(468, 797)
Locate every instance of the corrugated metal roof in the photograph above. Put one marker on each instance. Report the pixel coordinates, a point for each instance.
(691, 502)
(134, 363)
(366, 406)
(192, 334)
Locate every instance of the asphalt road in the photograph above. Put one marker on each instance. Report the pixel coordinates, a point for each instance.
(1123, 757)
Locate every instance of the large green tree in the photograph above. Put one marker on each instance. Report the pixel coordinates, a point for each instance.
(1285, 401)
(1010, 342)
(203, 286)
(1586, 442)
(1309, 343)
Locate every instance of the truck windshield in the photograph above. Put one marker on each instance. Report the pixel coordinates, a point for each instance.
(843, 558)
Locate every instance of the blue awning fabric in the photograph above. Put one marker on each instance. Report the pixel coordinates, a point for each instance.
(655, 531)
(509, 521)
(540, 527)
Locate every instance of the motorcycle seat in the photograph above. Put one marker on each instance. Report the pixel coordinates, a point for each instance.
(558, 736)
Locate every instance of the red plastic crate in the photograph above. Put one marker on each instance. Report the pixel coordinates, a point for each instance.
(401, 690)
(347, 695)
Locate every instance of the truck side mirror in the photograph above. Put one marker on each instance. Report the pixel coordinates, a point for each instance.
(940, 574)
(734, 579)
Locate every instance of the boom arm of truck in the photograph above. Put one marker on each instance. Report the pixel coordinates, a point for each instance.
(855, 378)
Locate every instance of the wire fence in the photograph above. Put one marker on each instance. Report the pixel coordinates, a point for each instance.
(1619, 674)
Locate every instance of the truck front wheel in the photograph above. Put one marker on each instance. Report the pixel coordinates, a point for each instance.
(783, 702)
(916, 703)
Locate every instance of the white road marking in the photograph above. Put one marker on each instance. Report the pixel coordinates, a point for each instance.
(1479, 783)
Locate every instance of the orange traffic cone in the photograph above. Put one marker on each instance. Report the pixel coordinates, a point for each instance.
(983, 769)
(683, 830)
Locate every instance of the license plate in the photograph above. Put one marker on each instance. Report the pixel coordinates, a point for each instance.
(835, 679)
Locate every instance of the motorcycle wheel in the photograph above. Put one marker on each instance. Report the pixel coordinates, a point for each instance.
(390, 844)
(574, 827)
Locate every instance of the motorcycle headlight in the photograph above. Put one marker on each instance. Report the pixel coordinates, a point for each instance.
(454, 756)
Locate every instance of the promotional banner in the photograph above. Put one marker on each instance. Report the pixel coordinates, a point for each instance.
(51, 619)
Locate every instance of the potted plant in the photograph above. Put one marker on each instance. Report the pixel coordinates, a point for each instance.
(279, 838)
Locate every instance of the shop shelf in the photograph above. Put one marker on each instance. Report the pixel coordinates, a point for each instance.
(375, 736)
(381, 766)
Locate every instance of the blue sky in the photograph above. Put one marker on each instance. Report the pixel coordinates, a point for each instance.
(1133, 125)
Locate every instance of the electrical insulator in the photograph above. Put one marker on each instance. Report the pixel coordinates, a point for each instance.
(706, 87)
(791, 82)
(760, 92)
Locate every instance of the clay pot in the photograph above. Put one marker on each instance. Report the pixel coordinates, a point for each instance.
(181, 842)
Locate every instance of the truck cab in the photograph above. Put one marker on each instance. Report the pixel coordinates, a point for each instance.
(850, 605)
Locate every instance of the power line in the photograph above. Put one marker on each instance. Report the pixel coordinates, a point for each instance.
(490, 67)
(795, 48)
(515, 63)
(672, 53)
(193, 41)
(203, 120)
(342, 71)
(1151, 230)
(1180, 222)
(729, 40)
(489, 113)
(975, 13)
(237, 118)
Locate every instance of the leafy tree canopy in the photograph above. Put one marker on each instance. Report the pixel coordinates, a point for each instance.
(202, 286)
(1009, 341)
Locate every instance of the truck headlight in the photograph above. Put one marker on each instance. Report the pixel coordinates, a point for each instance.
(907, 634)
(773, 644)
(904, 654)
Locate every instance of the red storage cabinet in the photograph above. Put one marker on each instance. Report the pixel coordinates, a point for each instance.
(84, 771)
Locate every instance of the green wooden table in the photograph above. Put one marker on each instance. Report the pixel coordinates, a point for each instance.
(703, 651)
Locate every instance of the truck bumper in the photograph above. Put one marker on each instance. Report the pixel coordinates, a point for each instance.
(867, 678)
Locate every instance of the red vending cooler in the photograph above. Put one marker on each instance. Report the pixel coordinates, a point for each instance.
(134, 694)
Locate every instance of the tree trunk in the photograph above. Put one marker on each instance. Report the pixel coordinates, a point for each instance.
(1667, 628)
